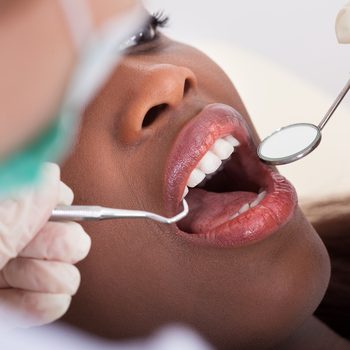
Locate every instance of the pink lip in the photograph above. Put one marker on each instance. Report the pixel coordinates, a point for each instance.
(193, 141)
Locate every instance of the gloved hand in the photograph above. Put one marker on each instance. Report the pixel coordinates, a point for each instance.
(37, 276)
(342, 26)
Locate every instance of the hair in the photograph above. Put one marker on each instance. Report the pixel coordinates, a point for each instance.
(331, 219)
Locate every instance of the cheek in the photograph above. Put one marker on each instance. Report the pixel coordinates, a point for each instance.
(92, 169)
(213, 82)
(99, 173)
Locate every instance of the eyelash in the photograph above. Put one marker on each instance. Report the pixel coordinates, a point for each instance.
(159, 19)
(149, 32)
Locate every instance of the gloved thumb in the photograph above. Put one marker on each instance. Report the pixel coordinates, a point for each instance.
(342, 26)
(23, 309)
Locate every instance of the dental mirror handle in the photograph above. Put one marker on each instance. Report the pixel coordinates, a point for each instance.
(334, 106)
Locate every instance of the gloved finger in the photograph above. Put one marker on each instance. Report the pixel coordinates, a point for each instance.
(21, 218)
(3, 283)
(41, 276)
(59, 241)
(65, 195)
(32, 309)
(342, 26)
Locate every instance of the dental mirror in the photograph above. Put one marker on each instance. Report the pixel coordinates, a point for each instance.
(293, 142)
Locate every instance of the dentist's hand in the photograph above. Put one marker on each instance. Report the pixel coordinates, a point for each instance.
(342, 26)
(37, 276)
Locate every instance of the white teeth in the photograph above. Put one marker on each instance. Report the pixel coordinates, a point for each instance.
(209, 163)
(261, 196)
(233, 141)
(196, 177)
(222, 149)
(185, 192)
(234, 216)
(258, 199)
(254, 203)
(244, 208)
(212, 160)
(247, 206)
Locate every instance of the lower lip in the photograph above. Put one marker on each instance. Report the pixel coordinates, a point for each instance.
(258, 223)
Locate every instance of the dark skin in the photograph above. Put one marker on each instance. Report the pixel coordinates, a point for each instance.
(140, 275)
(332, 221)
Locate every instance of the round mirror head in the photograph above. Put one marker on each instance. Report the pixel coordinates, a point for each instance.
(290, 143)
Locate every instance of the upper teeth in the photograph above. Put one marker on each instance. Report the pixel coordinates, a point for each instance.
(211, 161)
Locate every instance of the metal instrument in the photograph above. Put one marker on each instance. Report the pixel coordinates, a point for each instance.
(95, 213)
(293, 142)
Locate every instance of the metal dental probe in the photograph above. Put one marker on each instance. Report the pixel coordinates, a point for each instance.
(96, 213)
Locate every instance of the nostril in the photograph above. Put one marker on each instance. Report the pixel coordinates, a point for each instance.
(153, 114)
(187, 86)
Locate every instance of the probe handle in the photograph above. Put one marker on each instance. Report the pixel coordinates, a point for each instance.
(76, 213)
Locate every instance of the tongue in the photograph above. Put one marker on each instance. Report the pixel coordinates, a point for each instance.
(209, 210)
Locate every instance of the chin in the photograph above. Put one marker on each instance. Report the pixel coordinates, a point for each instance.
(285, 293)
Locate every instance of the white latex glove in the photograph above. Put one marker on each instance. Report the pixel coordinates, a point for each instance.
(342, 26)
(37, 276)
(58, 338)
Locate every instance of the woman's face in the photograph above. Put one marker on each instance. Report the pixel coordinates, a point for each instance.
(241, 278)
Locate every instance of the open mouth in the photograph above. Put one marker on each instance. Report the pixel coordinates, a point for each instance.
(234, 198)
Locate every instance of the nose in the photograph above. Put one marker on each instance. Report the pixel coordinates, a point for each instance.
(157, 90)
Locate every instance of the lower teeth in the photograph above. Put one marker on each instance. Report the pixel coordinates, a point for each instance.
(248, 206)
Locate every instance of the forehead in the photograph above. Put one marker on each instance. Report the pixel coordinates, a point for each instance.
(167, 50)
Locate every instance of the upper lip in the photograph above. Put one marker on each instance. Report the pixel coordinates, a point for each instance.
(193, 141)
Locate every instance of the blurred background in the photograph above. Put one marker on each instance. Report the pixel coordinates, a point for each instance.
(298, 34)
(285, 61)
